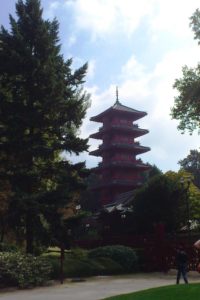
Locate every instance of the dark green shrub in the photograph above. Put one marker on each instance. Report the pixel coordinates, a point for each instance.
(101, 261)
(78, 253)
(124, 256)
(108, 266)
(5, 247)
(141, 258)
(80, 268)
(75, 267)
(84, 267)
(54, 261)
(23, 270)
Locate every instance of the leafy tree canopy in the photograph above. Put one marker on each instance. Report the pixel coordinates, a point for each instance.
(186, 107)
(153, 171)
(163, 200)
(42, 107)
(191, 164)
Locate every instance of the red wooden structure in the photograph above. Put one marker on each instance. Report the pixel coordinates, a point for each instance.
(154, 254)
(119, 170)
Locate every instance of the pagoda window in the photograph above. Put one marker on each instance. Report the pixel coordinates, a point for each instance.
(130, 122)
(115, 121)
(131, 140)
(124, 156)
(106, 174)
(105, 119)
(115, 156)
(116, 138)
(123, 121)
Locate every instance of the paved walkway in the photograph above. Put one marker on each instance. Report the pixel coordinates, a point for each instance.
(95, 288)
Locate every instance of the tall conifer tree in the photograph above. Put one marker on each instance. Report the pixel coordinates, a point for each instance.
(42, 106)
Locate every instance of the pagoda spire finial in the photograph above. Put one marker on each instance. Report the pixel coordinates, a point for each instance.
(117, 95)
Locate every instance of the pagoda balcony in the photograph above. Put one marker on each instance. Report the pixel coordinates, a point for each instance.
(118, 183)
(118, 125)
(132, 164)
(134, 147)
(132, 130)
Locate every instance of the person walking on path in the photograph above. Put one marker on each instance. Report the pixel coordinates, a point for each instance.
(181, 262)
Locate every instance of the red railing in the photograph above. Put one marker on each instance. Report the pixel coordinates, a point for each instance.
(155, 254)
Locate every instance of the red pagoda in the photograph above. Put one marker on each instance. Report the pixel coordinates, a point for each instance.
(119, 171)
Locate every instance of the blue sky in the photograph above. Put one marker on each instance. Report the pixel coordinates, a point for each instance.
(140, 46)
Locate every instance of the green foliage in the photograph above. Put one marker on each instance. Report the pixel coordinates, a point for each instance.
(189, 192)
(186, 107)
(124, 256)
(158, 201)
(42, 108)
(54, 261)
(100, 261)
(109, 266)
(73, 267)
(5, 247)
(194, 201)
(195, 24)
(163, 200)
(80, 267)
(78, 253)
(23, 270)
(153, 171)
(191, 164)
(186, 104)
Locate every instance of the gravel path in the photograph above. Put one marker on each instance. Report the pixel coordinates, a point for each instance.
(95, 288)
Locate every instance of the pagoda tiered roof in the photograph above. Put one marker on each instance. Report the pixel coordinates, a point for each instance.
(118, 108)
(119, 170)
(121, 202)
(134, 130)
(137, 164)
(118, 182)
(134, 148)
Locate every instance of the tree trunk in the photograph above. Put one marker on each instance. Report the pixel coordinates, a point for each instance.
(2, 230)
(62, 257)
(29, 234)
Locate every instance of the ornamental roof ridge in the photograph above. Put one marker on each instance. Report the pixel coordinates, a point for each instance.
(121, 107)
(118, 106)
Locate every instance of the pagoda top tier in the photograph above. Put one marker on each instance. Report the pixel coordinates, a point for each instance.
(119, 109)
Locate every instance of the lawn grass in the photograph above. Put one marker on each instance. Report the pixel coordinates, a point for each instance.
(172, 292)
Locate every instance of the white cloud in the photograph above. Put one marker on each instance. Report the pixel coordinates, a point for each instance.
(173, 16)
(72, 40)
(139, 86)
(91, 69)
(152, 91)
(51, 11)
(102, 17)
(132, 68)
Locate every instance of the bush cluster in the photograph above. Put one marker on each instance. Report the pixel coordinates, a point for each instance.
(5, 247)
(23, 271)
(124, 256)
(84, 267)
(107, 260)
